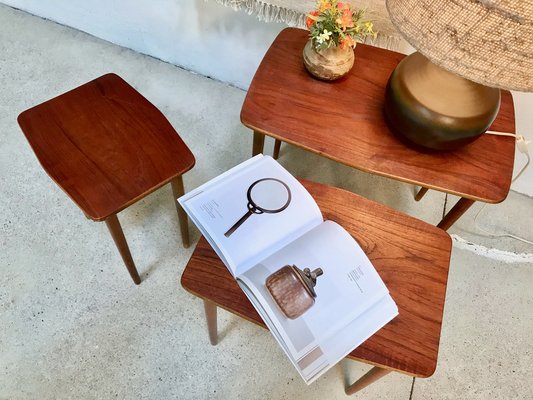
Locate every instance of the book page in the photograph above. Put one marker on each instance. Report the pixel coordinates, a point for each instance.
(349, 286)
(347, 339)
(251, 211)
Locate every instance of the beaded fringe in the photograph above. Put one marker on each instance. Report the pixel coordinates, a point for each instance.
(272, 13)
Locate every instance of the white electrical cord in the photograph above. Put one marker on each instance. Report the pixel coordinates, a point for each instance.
(521, 143)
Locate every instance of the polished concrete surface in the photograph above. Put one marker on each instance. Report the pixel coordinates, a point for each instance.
(73, 325)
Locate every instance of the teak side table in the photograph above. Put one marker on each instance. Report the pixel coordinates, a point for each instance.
(411, 256)
(343, 121)
(106, 147)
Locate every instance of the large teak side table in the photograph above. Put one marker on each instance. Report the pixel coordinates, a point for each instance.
(343, 121)
(107, 146)
(411, 256)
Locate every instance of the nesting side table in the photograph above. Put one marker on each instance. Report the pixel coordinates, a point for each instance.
(343, 121)
(411, 256)
(106, 147)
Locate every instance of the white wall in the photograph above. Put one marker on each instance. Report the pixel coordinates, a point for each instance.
(199, 35)
(204, 37)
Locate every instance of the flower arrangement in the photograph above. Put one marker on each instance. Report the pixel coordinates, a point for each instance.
(335, 24)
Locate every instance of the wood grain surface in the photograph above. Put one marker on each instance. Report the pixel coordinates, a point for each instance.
(411, 256)
(105, 145)
(343, 121)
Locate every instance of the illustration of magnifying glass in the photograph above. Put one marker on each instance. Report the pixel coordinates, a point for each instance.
(267, 195)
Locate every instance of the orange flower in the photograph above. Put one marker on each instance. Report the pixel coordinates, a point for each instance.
(347, 41)
(309, 22)
(343, 6)
(345, 20)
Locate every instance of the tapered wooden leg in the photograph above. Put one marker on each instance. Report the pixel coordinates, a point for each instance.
(211, 318)
(370, 377)
(277, 147)
(259, 143)
(118, 236)
(421, 193)
(178, 191)
(454, 214)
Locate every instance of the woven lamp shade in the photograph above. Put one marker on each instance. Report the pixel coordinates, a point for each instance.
(486, 41)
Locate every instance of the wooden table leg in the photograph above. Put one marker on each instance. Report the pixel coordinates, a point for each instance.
(277, 147)
(370, 377)
(421, 193)
(178, 191)
(454, 214)
(211, 318)
(118, 236)
(259, 143)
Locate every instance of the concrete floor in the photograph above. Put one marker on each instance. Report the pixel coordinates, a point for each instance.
(73, 325)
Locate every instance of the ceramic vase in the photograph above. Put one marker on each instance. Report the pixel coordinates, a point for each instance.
(328, 64)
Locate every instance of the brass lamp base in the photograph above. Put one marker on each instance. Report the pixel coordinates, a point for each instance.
(437, 109)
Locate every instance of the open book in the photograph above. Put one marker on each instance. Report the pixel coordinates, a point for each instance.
(259, 218)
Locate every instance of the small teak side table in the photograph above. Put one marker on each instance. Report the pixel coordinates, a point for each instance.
(411, 256)
(106, 147)
(343, 121)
